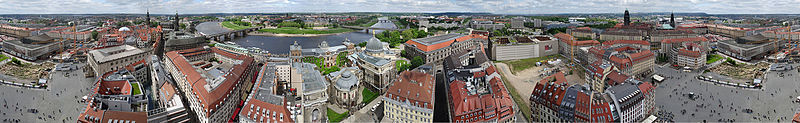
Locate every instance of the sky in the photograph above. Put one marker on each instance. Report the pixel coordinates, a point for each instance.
(491, 6)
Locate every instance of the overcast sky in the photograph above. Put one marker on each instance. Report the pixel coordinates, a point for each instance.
(492, 6)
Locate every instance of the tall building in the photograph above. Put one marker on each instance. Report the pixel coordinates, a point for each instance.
(263, 104)
(410, 98)
(312, 89)
(477, 94)
(33, 47)
(211, 79)
(117, 96)
(627, 18)
(434, 49)
(114, 58)
(377, 64)
(688, 52)
(627, 58)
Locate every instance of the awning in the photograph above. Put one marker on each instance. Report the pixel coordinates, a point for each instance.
(658, 77)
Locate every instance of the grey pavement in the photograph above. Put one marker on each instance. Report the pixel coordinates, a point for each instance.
(58, 103)
(772, 103)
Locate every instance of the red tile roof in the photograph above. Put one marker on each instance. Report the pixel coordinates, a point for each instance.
(257, 110)
(678, 40)
(796, 118)
(139, 117)
(639, 42)
(566, 38)
(210, 99)
(432, 47)
(646, 87)
(413, 86)
(110, 87)
(616, 78)
(551, 89)
(689, 53)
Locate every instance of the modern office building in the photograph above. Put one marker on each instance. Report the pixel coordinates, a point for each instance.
(522, 47)
(33, 47)
(748, 47)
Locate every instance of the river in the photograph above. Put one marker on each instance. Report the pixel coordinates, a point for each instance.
(280, 45)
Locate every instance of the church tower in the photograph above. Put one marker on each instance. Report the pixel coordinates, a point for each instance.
(627, 18)
(176, 25)
(672, 20)
(147, 19)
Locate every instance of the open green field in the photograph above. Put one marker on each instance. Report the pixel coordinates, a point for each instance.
(230, 25)
(522, 64)
(711, 58)
(295, 30)
(334, 117)
(368, 96)
(136, 90)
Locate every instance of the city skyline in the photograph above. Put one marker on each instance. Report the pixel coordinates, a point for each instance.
(420, 6)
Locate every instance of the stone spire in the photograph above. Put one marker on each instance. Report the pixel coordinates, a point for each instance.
(672, 20)
(176, 25)
(147, 19)
(627, 18)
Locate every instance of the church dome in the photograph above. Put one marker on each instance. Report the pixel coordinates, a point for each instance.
(123, 29)
(374, 45)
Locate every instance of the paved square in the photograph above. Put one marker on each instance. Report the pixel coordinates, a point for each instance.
(772, 103)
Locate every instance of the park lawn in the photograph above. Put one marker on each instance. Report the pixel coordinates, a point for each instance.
(135, 87)
(3, 57)
(713, 58)
(368, 24)
(295, 30)
(522, 64)
(334, 117)
(400, 63)
(368, 95)
(230, 25)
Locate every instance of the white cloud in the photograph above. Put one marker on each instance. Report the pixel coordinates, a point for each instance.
(493, 6)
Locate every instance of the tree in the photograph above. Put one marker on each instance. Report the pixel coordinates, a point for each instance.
(362, 44)
(731, 62)
(183, 26)
(341, 59)
(16, 61)
(94, 34)
(416, 62)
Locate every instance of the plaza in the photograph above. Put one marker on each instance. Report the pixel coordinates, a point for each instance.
(717, 103)
(59, 103)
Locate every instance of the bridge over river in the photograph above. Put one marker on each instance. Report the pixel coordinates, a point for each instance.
(214, 31)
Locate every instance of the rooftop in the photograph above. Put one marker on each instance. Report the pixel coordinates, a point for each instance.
(313, 81)
(414, 87)
(210, 84)
(113, 53)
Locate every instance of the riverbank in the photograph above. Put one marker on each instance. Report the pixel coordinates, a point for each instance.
(291, 35)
